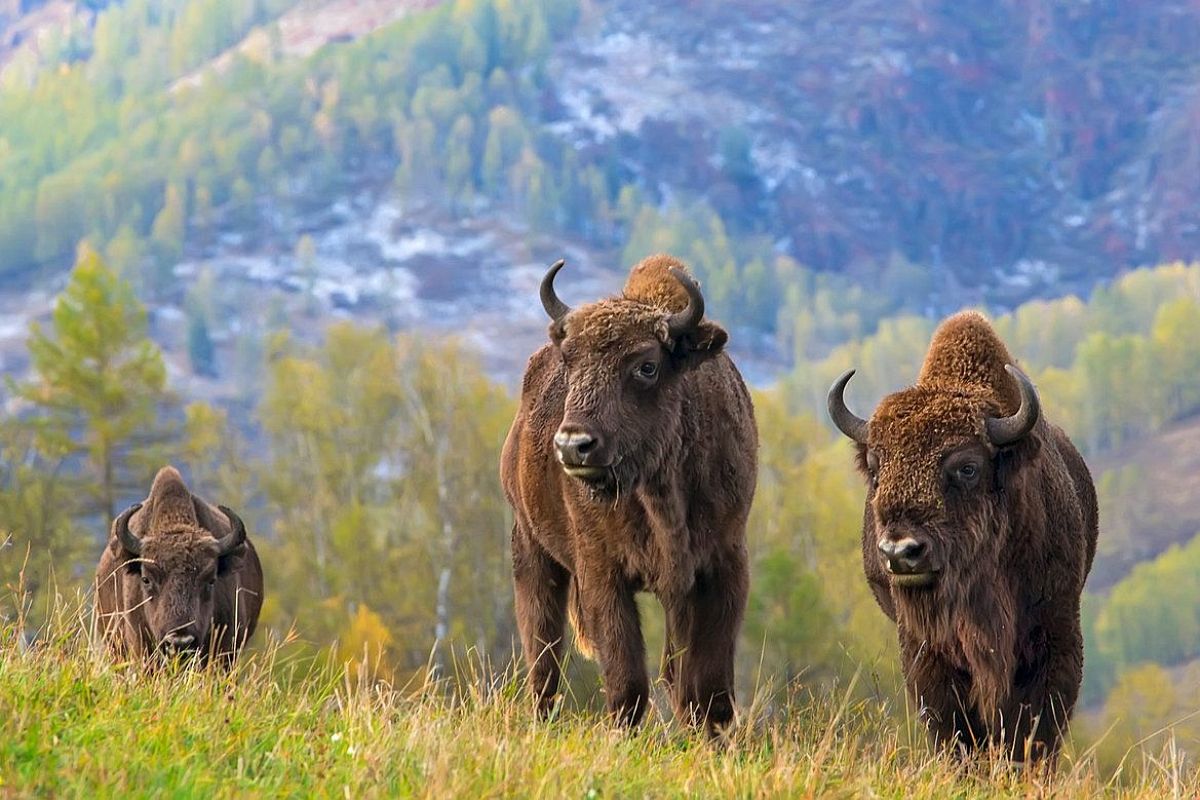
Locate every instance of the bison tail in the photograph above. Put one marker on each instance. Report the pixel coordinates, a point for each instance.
(583, 644)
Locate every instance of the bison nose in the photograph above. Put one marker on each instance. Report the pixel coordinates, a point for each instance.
(905, 555)
(179, 641)
(575, 448)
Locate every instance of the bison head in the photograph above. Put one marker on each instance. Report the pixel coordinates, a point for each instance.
(171, 574)
(934, 458)
(622, 359)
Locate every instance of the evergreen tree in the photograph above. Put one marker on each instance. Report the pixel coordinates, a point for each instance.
(98, 386)
(201, 352)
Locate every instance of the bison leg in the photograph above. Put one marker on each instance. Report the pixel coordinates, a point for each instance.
(702, 630)
(941, 694)
(541, 600)
(1044, 694)
(612, 623)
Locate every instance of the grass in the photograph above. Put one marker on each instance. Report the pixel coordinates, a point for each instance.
(75, 724)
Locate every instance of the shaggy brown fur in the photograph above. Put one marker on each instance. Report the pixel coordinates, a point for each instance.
(669, 516)
(992, 651)
(179, 585)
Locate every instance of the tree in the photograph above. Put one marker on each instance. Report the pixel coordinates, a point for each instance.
(306, 257)
(168, 229)
(328, 415)
(1176, 331)
(201, 351)
(460, 163)
(452, 428)
(382, 479)
(98, 386)
(38, 541)
(733, 145)
(1140, 707)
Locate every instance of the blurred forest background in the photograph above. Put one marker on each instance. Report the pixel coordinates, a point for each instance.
(293, 248)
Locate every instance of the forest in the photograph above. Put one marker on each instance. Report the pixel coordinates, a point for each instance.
(364, 458)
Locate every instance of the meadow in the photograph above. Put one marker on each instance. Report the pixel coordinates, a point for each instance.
(286, 724)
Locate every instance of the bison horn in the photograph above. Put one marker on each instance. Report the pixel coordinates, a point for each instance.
(686, 320)
(1003, 431)
(131, 543)
(555, 308)
(226, 544)
(854, 427)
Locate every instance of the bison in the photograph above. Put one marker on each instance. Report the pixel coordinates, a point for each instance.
(631, 466)
(178, 577)
(978, 533)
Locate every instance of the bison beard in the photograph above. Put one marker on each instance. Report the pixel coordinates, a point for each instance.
(630, 467)
(979, 530)
(969, 617)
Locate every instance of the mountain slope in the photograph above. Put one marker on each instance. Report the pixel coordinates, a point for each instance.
(1014, 147)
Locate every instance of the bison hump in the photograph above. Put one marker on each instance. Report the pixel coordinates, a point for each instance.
(651, 282)
(967, 355)
(170, 502)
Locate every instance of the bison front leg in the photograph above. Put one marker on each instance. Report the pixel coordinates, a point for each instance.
(702, 630)
(942, 697)
(612, 624)
(541, 600)
(1044, 693)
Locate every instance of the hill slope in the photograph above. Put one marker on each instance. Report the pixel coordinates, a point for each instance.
(76, 725)
(1013, 147)
(1165, 510)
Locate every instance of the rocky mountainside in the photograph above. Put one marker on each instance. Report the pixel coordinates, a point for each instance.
(1014, 147)
(997, 150)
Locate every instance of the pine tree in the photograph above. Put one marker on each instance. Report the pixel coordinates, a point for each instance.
(201, 351)
(98, 387)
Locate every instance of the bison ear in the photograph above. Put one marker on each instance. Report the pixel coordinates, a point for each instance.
(558, 331)
(231, 562)
(1009, 460)
(700, 344)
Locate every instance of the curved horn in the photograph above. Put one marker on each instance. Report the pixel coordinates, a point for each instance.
(555, 308)
(1003, 431)
(686, 320)
(852, 426)
(131, 543)
(226, 544)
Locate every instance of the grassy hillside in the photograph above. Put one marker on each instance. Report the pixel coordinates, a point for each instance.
(79, 726)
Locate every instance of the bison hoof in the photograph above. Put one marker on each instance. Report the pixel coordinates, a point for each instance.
(629, 706)
(547, 707)
(716, 715)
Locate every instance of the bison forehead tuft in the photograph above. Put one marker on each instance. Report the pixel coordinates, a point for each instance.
(615, 324)
(180, 549)
(912, 430)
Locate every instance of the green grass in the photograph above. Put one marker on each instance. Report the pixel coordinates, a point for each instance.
(75, 724)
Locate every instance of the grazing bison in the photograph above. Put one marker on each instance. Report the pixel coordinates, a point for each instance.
(978, 533)
(178, 577)
(631, 466)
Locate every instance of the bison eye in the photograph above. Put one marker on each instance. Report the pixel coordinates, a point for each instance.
(967, 473)
(647, 371)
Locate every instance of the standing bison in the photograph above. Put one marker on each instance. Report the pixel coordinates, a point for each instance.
(178, 577)
(978, 533)
(631, 466)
